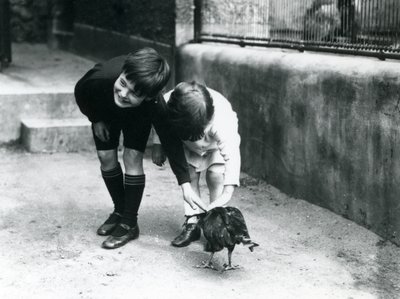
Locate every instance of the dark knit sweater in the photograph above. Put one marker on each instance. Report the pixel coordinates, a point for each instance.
(95, 97)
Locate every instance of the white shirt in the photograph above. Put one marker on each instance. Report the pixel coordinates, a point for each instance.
(221, 133)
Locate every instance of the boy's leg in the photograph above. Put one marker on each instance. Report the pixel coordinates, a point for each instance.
(215, 180)
(195, 184)
(134, 186)
(112, 174)
(190, 232)
(113, 178)
(136, 131)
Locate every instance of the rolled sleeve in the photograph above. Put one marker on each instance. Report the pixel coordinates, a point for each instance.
(228, 142)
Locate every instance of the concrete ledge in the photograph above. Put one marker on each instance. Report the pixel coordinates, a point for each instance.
(322, 127)
(38, 84)
(56, 135)
(15, 107)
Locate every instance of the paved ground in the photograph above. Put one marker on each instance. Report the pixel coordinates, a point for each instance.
(37, 69)
(52, 204)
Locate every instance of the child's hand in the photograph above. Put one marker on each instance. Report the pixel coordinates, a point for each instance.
(192, 198)
(158, 155)
(101, 130)
(224, 198)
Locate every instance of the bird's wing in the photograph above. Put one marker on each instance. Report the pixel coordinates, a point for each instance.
(237, 225)
(216, 232)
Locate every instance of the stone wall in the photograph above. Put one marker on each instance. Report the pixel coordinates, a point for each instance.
(149, 19)
(100, 44)
(107, 28)
(30, 20)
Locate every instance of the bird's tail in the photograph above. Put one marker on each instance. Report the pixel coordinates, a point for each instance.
(248, 242)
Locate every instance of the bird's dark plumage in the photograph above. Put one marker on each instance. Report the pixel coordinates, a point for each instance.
(224, 227)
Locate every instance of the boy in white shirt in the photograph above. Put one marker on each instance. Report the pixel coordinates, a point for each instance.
(208, 127)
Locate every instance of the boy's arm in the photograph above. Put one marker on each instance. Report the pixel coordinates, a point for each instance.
(176, 156)
(94, 91)
(224, 198)
(157, 152)
(172, 145)
(226, 134)
(85, 96)
(228, 142)
(192, 198)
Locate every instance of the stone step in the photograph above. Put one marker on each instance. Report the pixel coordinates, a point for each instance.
(15, 107)
(56, 135)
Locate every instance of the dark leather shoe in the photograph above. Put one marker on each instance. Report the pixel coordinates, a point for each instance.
(109, 225)
(191, 232)
(113, 242)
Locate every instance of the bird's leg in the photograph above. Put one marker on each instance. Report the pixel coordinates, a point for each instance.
(229, 265)
(208, 263)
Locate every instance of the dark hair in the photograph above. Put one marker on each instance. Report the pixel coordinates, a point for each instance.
(147, 70)
(190, 109)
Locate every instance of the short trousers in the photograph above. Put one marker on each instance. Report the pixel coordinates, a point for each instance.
(135, 129)
(201, 163)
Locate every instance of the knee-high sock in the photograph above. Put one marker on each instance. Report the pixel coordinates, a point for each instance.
(134, 186)
(114, 180)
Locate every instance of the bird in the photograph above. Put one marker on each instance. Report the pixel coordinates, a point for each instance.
(224, 227)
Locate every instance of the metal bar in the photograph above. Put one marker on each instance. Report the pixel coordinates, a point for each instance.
(197, 22)
(1, 31)
(370, 19)
(221, 37)
(316, 48)
(397, 24)
(393, 24)
(363, 18)
(353, 28)
(5, 35)
(387, 24)
(376, 21)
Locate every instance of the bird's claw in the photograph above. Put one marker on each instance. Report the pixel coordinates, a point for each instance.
(230, 267)
(208, 265)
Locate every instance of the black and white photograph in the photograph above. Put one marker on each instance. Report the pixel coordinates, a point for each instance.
(184, 149)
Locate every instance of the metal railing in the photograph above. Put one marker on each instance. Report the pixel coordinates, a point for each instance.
(361, 27)
(5, 38)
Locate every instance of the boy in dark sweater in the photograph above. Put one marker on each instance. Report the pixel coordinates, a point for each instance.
(123, 94)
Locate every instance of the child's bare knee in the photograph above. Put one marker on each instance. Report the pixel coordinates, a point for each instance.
(133, 161)
(108, 159)
(214, 178)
